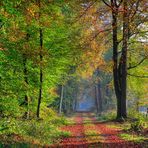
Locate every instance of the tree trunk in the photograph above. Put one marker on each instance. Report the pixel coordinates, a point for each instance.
(120, 66)
(61, 99)
(41, 59)
(99, 97)
(123, 60)
(75, 107)
(120, 70)
(115, 60)
(41, 74)
(96, 98)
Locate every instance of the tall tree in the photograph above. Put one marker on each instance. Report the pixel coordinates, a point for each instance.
(41, 59)
(128, 10)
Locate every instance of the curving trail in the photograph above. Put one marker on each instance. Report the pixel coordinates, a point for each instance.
(86, 132)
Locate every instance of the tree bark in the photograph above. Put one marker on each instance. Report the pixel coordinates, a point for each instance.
(116, 76)
(41, 59)
(61, 99)
(41, 74)
(99, 97)
(96, 98)
(123, 60)
(120, 68)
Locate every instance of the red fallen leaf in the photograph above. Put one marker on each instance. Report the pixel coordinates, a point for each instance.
(79, 138)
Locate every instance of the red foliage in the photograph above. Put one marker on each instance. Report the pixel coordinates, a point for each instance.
(78, 137)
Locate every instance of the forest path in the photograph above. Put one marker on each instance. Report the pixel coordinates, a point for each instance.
(87, 132)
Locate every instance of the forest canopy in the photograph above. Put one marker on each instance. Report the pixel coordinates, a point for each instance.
(54, 54)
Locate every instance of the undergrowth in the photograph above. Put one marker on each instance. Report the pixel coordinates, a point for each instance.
(132, 137)
(105, 116)
(43, 131)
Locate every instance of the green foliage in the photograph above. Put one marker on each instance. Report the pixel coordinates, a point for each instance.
(20, 64)
(137, 126)
(19, 51)
(34, 129)
(110, 115)
(40, 129)
(10, 126)
(139, 121)
(133, 114)
(132, 137)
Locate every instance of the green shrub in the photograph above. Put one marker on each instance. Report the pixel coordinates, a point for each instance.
(11, 126)
(107, 116)
(41, 131)
(132, 137)
(138, 125)
(136, 115)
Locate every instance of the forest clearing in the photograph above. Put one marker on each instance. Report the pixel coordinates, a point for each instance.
(73, 74)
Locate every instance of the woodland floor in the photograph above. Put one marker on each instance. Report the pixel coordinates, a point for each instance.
(87, 132)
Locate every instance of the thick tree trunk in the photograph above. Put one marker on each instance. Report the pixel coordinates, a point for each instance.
(120, 69)
(61, 99)
(120, 66)
(123, 60)
(116, 76)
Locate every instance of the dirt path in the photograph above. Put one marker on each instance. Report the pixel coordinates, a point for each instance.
(86, 132)
(77, 137)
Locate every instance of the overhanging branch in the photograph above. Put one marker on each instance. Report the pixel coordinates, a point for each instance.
(134, 66)
(84, 12)
(138, 76)
(107, 4)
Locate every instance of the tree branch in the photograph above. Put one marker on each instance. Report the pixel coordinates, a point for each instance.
(107, 4)
(84, 12)
(101, 31)
(131, 67)
(136, 9)
(118, 5)
(138, 76)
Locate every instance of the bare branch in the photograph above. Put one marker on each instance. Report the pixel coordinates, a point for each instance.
(107, 4)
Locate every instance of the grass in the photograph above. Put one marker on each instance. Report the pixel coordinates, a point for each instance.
(91, 134)
(38, 132)
(106, 116)
(132, 137)
(120, 126)
(70, 121)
